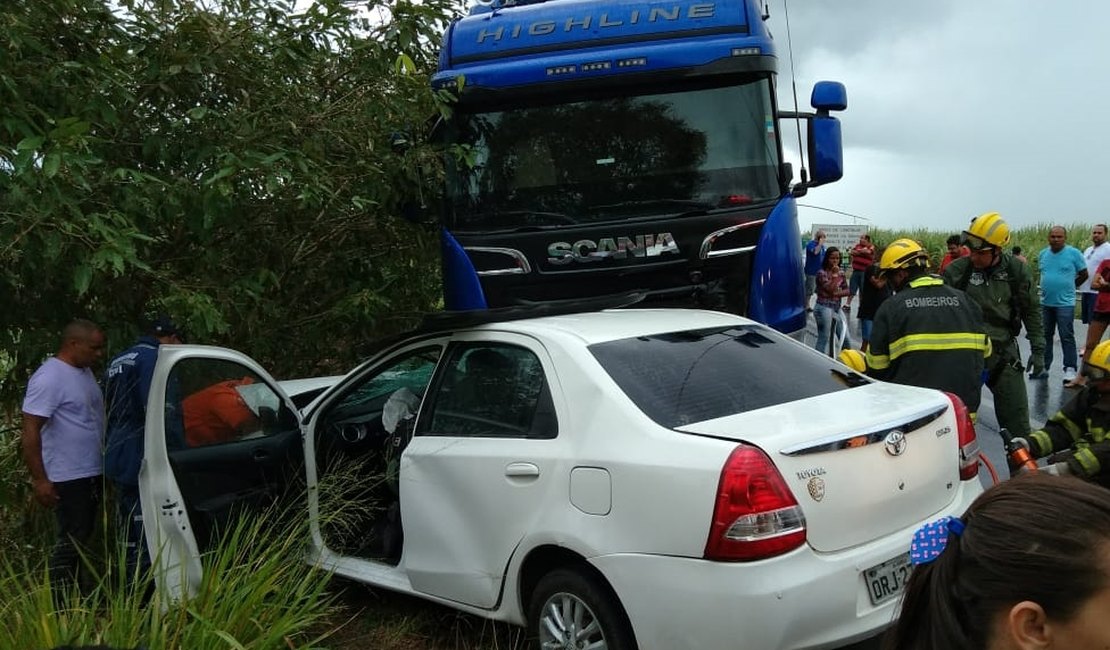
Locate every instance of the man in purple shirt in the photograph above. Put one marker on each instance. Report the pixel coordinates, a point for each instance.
(63, 425)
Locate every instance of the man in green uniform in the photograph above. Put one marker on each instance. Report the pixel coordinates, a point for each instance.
(1003, 288)
(1076, 438)
(927, 334)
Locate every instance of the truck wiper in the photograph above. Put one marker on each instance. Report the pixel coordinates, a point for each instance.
(563, 219)
(693, 207)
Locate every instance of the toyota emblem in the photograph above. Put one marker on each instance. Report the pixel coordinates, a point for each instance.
(895, 443)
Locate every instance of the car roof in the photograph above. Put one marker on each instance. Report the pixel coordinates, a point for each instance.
(590, 320)
(615, 324)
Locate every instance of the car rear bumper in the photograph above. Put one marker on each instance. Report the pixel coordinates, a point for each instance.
(797, 601)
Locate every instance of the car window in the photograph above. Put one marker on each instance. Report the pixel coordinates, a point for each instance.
(491, 390)
(369, 395)
(213, 401)
(690, 376)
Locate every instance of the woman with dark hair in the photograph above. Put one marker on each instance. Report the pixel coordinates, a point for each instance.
(832, 285)
(1027, 567)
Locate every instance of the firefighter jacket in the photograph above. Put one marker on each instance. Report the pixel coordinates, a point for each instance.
(1077, 434)
(930, 335)
(1006, 294)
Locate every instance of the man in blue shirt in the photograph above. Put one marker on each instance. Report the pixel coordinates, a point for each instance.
(126, 388)
(815, 257)
(1062, 270)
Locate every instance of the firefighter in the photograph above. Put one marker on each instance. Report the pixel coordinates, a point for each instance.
(1003, 288)
(928, 334)
(1075, 438)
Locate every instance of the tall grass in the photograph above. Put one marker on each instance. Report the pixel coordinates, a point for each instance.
(257, 593)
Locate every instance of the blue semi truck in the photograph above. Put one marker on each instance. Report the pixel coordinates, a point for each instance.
(600, 147)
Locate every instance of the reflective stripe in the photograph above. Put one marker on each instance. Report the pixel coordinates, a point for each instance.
(1062, 420)
(989, 350)
(1088, 461)
(1098, 433)
(938, 342)
(926, 281)
(1042, 441)
(878, 361)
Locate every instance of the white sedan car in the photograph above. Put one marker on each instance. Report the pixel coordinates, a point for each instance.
(652, 479)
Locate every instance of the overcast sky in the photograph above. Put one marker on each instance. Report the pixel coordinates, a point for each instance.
(958, 107)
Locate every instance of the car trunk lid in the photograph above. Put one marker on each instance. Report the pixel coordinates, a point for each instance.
(862, 463)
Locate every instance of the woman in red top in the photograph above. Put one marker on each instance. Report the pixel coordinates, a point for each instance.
(863, 256)
(1099, 319)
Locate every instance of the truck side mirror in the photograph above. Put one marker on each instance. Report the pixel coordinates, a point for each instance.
(826, 150)
(828, 96)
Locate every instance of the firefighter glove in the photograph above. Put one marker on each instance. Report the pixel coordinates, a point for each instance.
(1036, 364)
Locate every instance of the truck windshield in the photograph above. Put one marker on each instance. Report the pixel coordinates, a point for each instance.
(614, 158)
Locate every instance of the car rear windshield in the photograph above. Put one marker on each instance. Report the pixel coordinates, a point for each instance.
(695, 375)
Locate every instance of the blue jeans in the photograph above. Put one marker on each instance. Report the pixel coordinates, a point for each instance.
(1062, 318)
(828, 320)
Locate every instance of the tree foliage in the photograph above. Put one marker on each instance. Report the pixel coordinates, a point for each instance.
(228, 162)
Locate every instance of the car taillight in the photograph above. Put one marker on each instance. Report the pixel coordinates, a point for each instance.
(756, 515)
(969, 443)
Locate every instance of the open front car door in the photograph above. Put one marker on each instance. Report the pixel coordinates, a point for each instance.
(222, 441)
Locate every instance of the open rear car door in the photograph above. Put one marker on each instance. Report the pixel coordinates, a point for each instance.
(222, 440)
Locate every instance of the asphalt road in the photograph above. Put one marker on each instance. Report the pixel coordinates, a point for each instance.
(1046, 396)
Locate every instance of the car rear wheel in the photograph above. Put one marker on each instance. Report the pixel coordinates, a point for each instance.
(571, 610)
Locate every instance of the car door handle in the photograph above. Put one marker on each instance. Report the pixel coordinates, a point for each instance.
(260, 455)
(517, 470)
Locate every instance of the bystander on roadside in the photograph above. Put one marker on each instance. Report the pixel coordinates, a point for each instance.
(874, 291)
(863, 256)
(1063, 269)
(1100, 318)
(956, 250)
(63, 423)
(1027, 567)
(1094, 254)
(815, 257)
(831, 287)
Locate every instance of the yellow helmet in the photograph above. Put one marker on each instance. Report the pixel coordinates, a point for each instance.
(986, 231)
(903, 254)
(1100, 357)
(854, 359)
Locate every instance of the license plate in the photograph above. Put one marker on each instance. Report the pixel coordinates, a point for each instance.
(887, 580)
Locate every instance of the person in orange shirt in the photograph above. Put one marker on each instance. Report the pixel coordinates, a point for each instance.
(218, 413)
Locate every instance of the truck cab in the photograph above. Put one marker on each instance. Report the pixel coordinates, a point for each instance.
(597, 148)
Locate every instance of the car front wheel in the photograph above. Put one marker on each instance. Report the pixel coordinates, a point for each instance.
(571, 610)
